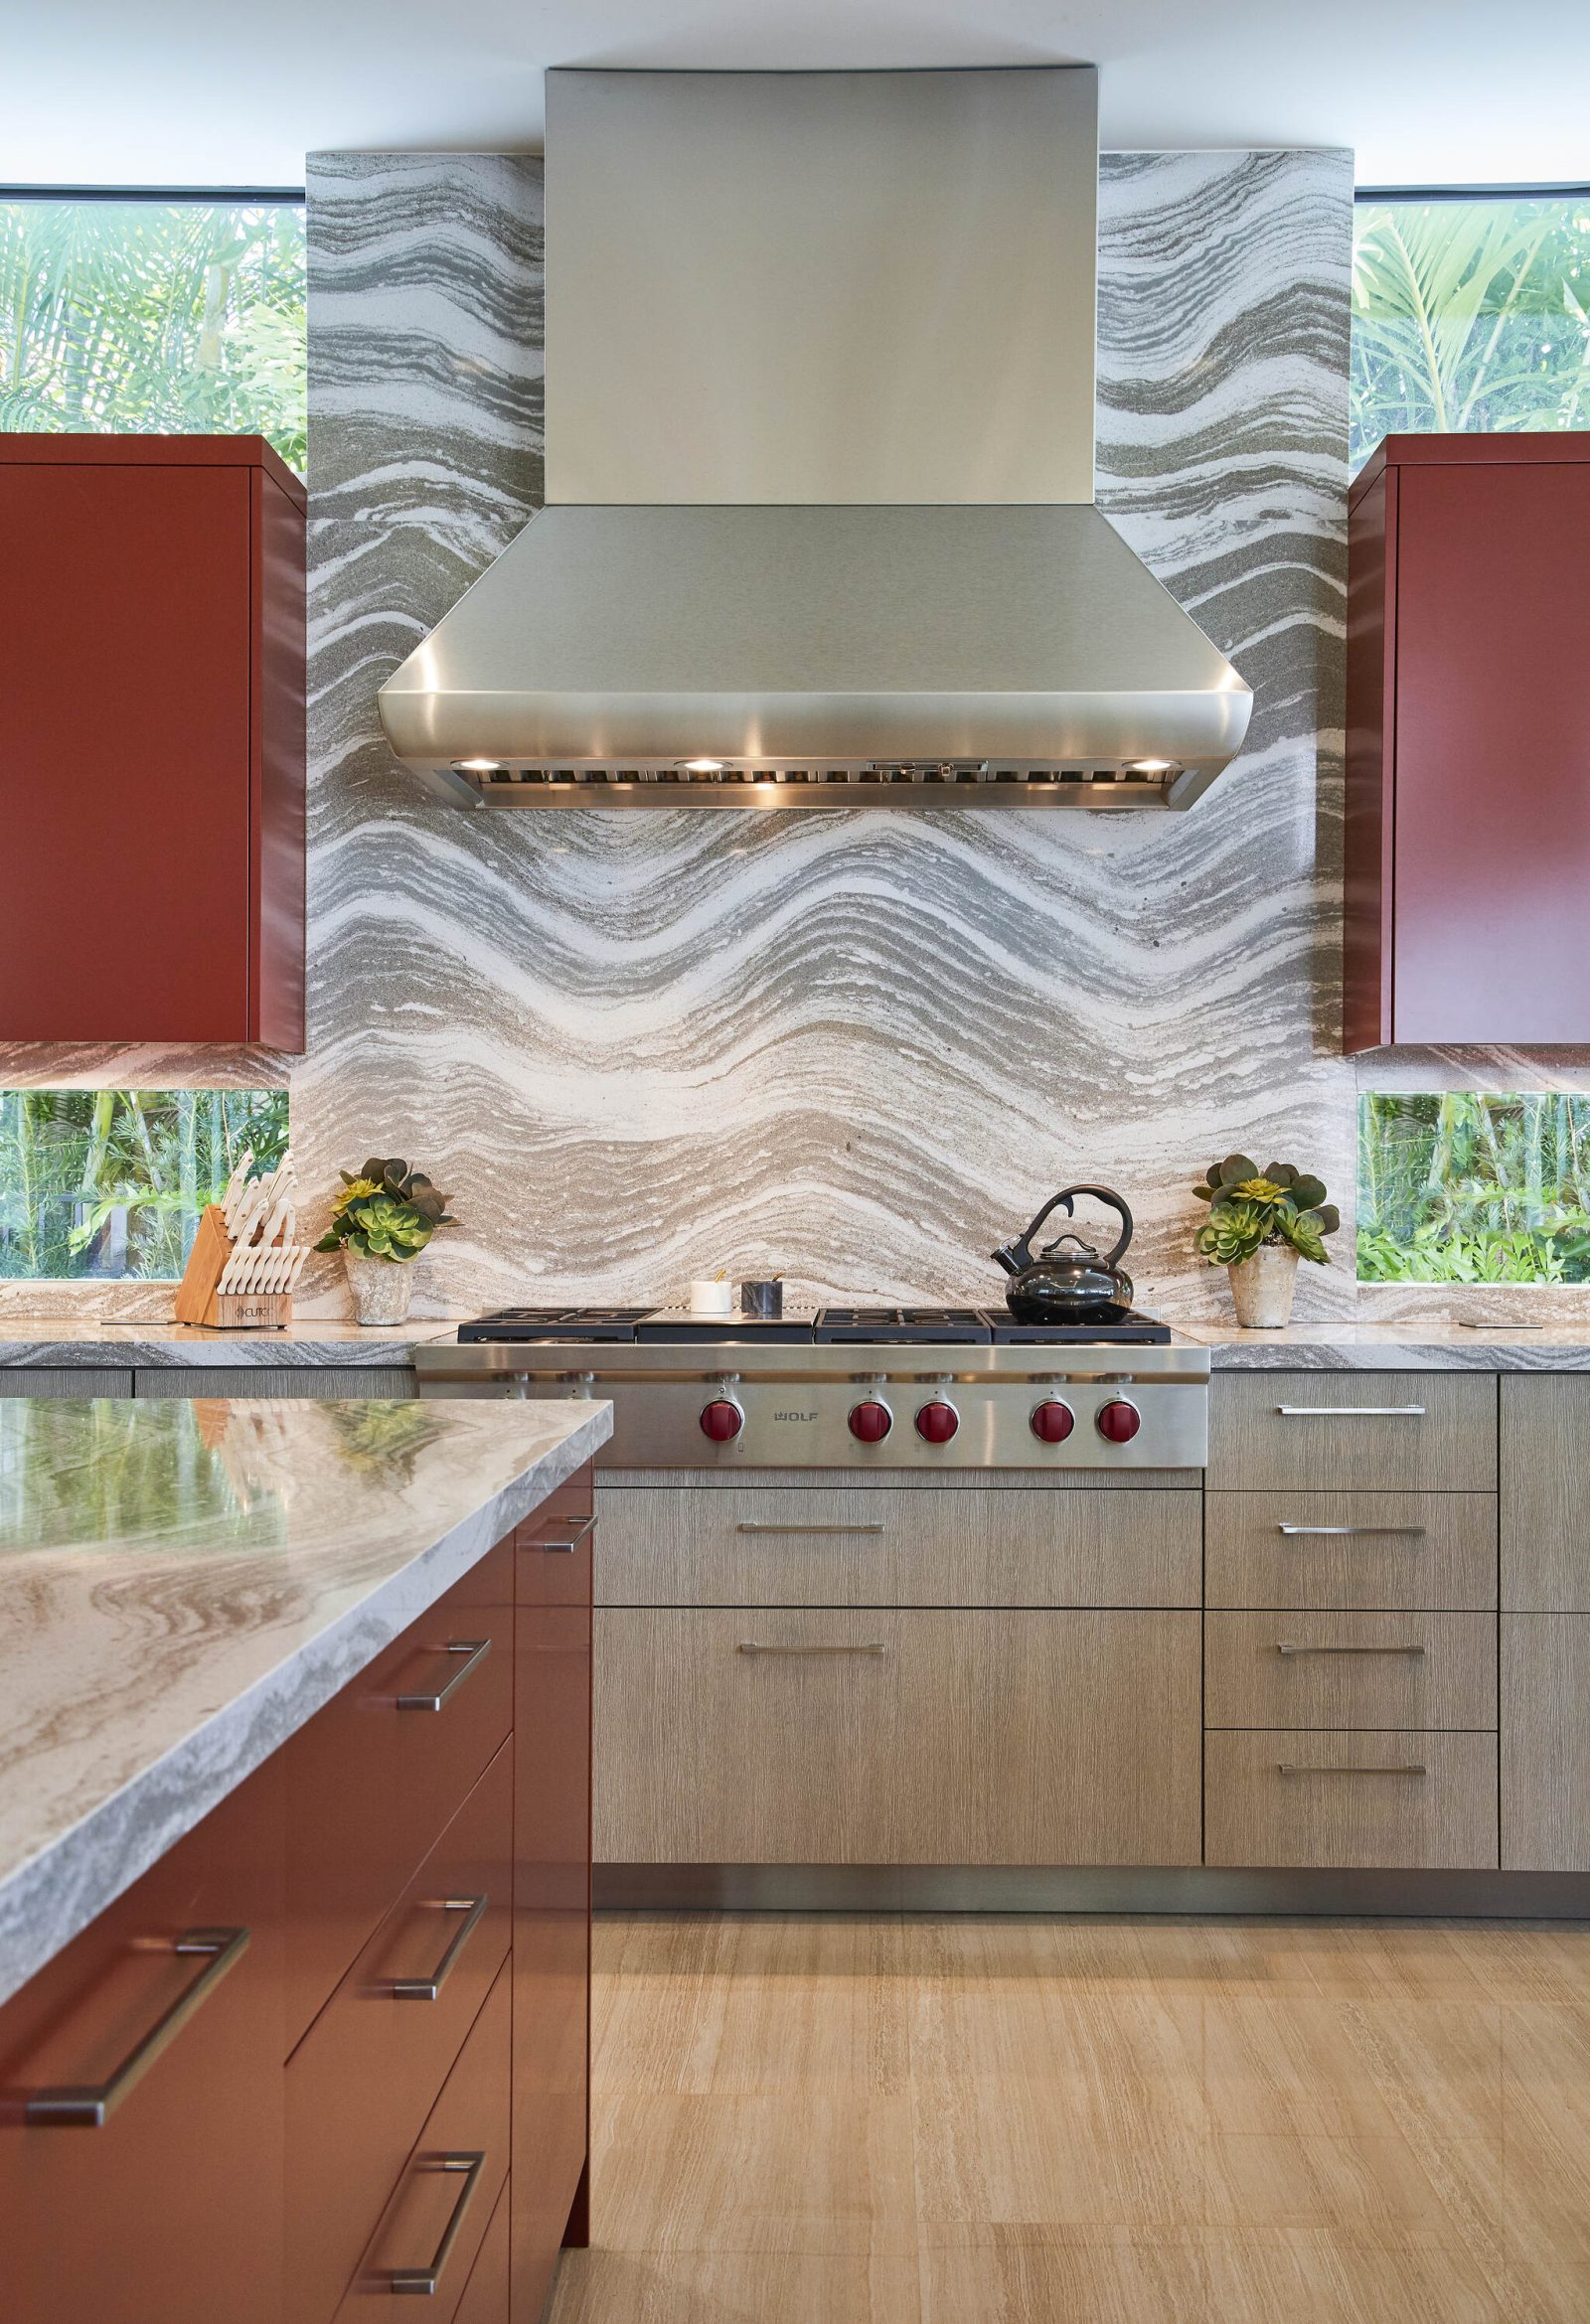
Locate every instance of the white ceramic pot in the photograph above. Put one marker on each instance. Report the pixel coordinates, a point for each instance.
(380, 1288)
(1262, 1287)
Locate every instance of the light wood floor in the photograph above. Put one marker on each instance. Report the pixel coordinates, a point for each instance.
(881, 2122)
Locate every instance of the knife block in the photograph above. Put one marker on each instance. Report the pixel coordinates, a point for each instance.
(197, 1299)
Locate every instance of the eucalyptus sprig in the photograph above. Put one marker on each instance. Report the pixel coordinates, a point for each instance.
(1250, 1207)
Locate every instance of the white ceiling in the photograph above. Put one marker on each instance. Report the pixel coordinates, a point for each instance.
(190, 93)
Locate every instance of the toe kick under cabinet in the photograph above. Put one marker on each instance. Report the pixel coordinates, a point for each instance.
(366, 1973)
(865, 1674)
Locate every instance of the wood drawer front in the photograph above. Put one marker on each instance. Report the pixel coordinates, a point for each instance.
(370, 1787)
(170, 2212)
(1546, 1533)
(1325, 1816)
(1545, 1742)
(1387, 1432)
(361, 2082)
(897, 1738)
(1350, 1670)
(470, 2119)
(1351, 1549)
(872, 1546)
(485, 2299)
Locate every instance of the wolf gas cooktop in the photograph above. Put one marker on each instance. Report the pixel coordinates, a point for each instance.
(876, 1387)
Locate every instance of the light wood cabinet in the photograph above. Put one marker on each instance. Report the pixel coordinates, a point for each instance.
(1343, 1432)
(1350, 1670)
(1351, 1550)
(838, 1736)
(872, 1546)
(1388, 1798)
(63, 1380)
(1544, 1514)
(1545, 1742)
(324, 1382)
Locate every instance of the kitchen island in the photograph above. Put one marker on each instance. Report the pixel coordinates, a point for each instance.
(269, 1671)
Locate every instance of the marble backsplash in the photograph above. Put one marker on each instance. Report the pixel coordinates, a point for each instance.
(858, 1049)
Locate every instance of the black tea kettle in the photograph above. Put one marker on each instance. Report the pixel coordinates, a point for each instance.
(1063, 1286)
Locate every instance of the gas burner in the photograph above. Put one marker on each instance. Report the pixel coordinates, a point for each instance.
(1130, 1329)
(897, 1327)
(560, 1323)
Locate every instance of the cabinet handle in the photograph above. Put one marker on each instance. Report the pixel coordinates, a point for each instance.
(427, 2280)
(761, 1529)
(1294, 1768)
(1287, 1646)
(475, 1650)
(1411, 1532)
(91, 2105)
(429, 1988)
(756, 1647)
(1352, 1411)
(565, 1543)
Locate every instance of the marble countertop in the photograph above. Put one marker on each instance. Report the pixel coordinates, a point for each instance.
(1418, 1345)
(183, 1584)
(65, 1342)
(53, 1342)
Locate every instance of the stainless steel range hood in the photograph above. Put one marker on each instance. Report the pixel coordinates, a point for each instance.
(820, 526)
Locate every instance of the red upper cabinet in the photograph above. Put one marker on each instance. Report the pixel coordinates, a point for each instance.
(152, 747)
(1467, 796)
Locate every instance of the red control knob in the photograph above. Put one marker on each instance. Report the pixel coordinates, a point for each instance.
(1053, 1421)
(937, 1422)
(721, 1421)
(870, 1421)
(1119, 1422)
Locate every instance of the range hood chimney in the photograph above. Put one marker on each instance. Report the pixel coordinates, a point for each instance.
(819, 526)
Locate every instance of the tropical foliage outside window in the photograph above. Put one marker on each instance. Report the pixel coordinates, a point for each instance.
(143, 318)
(1469, 317)
(112, 1182)
(1469, 1188)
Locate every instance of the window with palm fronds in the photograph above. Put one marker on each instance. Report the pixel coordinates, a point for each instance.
(1465, 1187)
(114, 1181)
(1469, 316)
(149, 317)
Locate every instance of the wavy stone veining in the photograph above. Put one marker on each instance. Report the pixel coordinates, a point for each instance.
(854, 1048)
(186, 1584)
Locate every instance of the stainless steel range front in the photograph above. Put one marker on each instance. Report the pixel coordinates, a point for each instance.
(849, 1388)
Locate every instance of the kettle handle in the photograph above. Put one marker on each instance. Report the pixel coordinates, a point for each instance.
(1068, 1204)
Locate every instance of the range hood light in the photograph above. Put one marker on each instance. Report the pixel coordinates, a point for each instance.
(1152, 766)
(699, 766)
(478, 767)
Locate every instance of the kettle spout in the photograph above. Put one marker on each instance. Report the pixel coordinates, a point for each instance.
(1006, 1257)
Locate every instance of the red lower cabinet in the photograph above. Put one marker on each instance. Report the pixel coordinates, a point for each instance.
(164, 2016)
(322, 2027)
(485, 2299)
(551, 1889)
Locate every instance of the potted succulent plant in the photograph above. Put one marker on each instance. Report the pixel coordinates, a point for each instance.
(381, 1219)
(1261, 1224)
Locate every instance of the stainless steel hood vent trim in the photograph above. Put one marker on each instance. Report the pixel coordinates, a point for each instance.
(756, 376)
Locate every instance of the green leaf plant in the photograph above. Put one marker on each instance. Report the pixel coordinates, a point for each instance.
(385, 1212)
(1250, 1208)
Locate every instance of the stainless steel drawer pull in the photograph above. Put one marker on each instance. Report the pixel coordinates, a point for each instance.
(1286, 1646)
(91, 2105)
(756, 1647)
(761, 1529)
(476, 1652)
(429, 1988)
(565, 1542)
(1407, 1532)
(1294, 1768)
(1352, 1411)
(426, 2281)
